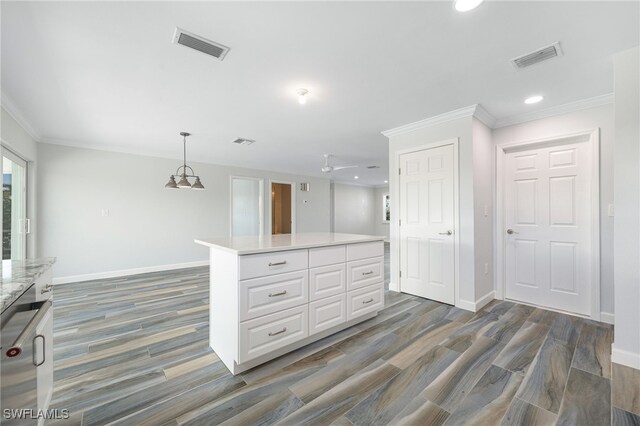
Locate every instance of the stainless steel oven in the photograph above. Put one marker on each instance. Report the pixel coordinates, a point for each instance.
(26, 366)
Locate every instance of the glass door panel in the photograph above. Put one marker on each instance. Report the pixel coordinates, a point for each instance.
(15, 225)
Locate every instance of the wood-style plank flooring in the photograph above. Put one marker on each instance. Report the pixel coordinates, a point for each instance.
(135, 351)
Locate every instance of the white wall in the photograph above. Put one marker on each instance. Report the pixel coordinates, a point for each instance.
(626, 347)
(354, 209)
(147, 225)
(18, 140)
(603, 118)
(382, 228)
(483, 199)
(462, 130)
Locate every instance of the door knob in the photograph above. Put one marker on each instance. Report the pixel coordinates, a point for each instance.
(446, 233)
(511, 231)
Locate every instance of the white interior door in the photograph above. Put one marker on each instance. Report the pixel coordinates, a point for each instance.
(427, 224)
(548, 227)
(246, 206)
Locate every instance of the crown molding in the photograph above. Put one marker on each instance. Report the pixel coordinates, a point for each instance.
(596, 101)
(9, 106)
(475, 110)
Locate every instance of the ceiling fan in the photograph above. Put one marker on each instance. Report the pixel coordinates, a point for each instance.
(327, 168)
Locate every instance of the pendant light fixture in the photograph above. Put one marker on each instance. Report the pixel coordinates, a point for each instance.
(184, 183)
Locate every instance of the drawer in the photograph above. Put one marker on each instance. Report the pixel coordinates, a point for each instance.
(364, 272)
(327, 281)
(266, 295)
(323, 256)
(365, 250)
(263, 264)
(365, 300)
(44, 286)
(266, 334)
(327, 313)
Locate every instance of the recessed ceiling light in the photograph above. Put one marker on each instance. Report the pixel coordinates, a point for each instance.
(466, 5)
(533, 99)
(386, 181)
(356, 177)
(302, 96)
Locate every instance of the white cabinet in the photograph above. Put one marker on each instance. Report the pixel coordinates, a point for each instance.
(327, 281)
(362, 273)
(327, 313)
(263, 335)
(265, 304)
(43, 358)
(261, 296)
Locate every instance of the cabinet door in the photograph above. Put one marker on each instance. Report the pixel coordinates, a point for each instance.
(327, 281)
(327, 313)
(365, 300)
(266, 295)
(43, 356)
(362, 273)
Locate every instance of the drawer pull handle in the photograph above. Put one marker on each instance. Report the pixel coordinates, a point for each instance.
(278, 332)
(364, 302)
(282, 293)
(284, 262)
(47, 289)
(367, 273)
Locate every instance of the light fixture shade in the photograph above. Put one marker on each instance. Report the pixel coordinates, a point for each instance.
(197, 184)
(172, 183)
(184, 183)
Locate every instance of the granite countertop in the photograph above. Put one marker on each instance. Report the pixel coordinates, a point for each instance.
(271, 243)
(18, 276)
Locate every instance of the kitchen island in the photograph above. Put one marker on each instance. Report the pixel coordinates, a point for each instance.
(270, 295)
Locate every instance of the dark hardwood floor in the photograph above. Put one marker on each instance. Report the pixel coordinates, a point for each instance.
(135, 351)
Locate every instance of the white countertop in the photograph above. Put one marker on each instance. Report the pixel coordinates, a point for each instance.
(271, 243)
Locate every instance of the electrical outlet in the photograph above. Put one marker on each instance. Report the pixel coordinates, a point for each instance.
(105, 212)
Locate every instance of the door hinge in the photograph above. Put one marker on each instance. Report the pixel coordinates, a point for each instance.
(399, 222)
(399, 171)
(400, 274)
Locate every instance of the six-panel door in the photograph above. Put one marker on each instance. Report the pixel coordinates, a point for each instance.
(427, 224)
(548, 227)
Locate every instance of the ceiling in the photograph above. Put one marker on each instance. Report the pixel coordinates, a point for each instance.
(106, 75)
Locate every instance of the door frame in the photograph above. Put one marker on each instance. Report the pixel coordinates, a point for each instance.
(456, 210)
(260, 201)
(293, 205)
(591, 137)
(5, 151)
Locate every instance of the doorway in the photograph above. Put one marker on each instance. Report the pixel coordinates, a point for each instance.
(246, 206)
(427, 223)
(15, 225)
(282, 208)
(549, 228)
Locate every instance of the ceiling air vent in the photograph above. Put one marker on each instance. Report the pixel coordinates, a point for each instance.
(373, 167)
(200, 44)
(539, 55)
(243, 141)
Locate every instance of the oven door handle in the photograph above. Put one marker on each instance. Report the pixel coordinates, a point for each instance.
(29, 330)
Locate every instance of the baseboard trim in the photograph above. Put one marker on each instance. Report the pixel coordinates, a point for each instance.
(127, 272)
(623, 357)
(478, 304)
(607, 317)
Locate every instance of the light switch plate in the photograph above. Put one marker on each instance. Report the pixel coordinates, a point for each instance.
(610, 210)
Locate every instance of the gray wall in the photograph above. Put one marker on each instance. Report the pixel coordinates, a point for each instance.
(354, 209)
(626, 348)
(147, 224)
